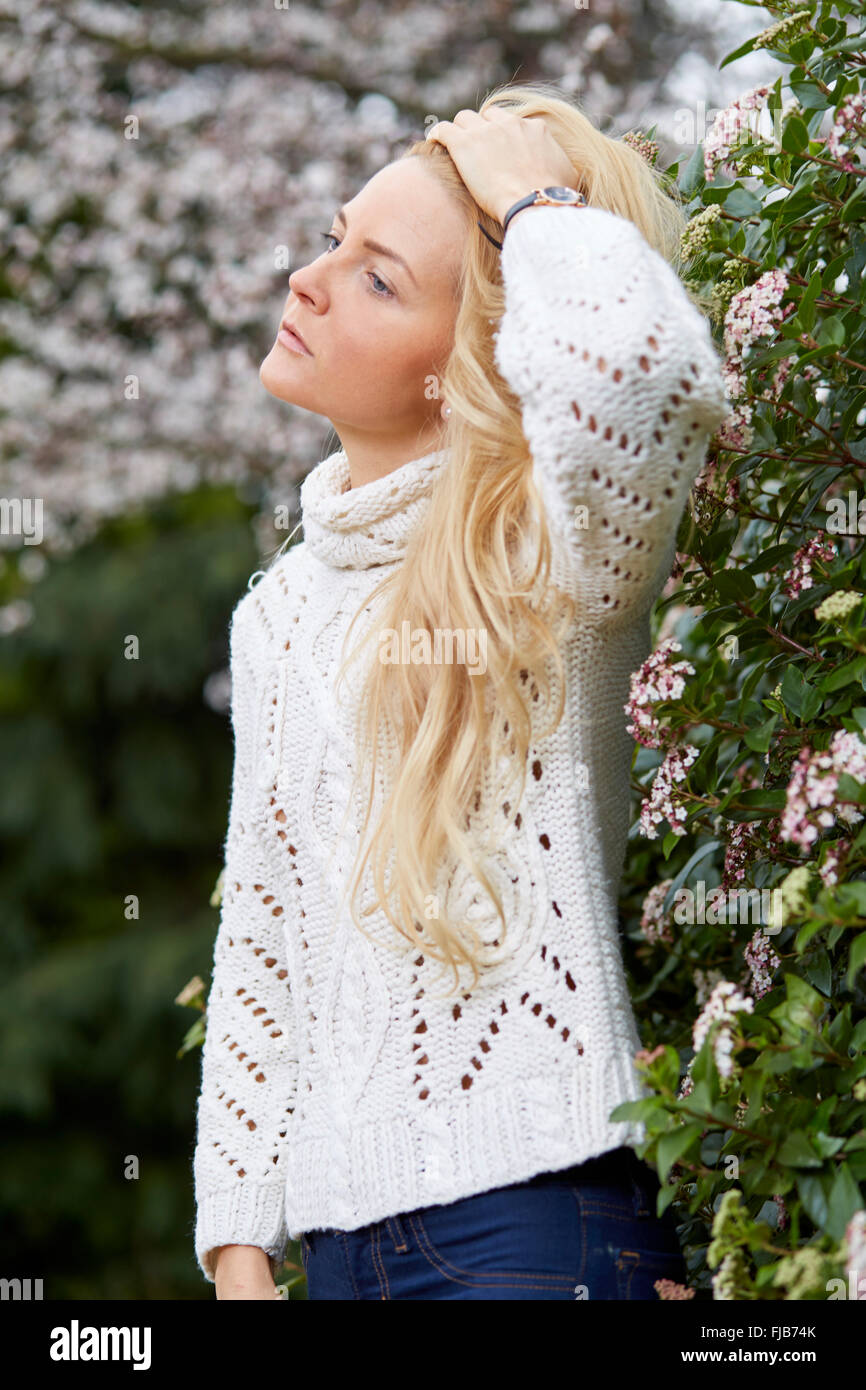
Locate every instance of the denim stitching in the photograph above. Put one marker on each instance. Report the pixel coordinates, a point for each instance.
(341, 1236)
(606, 1209)
(491, 1277)
(625, 1288)
(582, 1224)
(397, 1234)
(378, 1262)
(646, 1255)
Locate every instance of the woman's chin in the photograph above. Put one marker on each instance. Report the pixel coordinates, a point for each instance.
(275, 378)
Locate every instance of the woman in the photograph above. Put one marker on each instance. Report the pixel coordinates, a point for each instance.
(523, 397)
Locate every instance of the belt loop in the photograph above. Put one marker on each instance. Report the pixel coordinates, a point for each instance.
(397, 1234)
(641, 1176)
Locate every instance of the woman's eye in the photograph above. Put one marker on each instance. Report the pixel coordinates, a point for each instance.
(385, 292)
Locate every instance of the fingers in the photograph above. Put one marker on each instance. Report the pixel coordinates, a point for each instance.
(466, 118)
(443, 130)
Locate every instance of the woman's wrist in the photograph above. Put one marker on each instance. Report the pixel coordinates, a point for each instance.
(514, 196)
(245, 1258)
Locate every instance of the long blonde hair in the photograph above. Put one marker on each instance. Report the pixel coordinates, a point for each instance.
(435, 736)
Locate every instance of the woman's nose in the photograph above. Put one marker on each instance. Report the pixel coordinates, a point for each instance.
(303, 283)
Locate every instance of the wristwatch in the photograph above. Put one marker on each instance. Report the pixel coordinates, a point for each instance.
(555, 196)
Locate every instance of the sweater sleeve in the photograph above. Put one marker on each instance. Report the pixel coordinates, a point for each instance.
(620, 388)
(248, 1064)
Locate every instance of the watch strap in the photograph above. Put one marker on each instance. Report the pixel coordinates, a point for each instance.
(540, 195)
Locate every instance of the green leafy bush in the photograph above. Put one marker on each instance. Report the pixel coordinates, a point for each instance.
(751, 714)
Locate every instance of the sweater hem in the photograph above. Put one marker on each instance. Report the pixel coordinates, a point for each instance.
(500, 1136)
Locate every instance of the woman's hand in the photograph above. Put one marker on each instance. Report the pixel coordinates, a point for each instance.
(501, 156)
(244, 1272)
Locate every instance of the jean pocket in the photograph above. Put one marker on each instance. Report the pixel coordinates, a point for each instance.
(604, 1201)
(305, 1250)
(484, 1242)
(637, 1272)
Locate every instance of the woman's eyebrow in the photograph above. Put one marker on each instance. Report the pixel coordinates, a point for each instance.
(340, 216)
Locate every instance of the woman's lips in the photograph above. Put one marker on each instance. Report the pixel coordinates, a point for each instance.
(289, 339)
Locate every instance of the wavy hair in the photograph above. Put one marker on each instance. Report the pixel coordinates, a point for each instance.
(441, 742)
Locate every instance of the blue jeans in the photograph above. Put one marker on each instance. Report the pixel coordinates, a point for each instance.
(589, 1232)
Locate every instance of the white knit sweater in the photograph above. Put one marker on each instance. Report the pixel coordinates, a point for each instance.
(336, 1089)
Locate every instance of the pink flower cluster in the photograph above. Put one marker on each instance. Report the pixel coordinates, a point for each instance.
(657, 679)
(799, 576)
(754, 312)
(728, 127)
(849, 118)
(654, 923)
(762, 962)
(834, 860)
(746, 841)
(664, 801)
(813, 788)
(723, 1005)
(671, 1291)
(855, 1244)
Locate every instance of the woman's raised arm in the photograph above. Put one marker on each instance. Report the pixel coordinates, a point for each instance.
(621, 388)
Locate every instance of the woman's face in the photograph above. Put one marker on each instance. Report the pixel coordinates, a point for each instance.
(377, 327)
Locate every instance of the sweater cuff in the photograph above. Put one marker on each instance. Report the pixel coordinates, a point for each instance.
(242, 1215)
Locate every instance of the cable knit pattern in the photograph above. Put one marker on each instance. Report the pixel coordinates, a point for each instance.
(338, 1087)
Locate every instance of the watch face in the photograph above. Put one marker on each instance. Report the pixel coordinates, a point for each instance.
(566, 194)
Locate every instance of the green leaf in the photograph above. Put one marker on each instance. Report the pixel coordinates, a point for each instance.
(806, 307)
(700, 853)
(758, 803)
(773, 555)
(740, 202)
(805, 934)
(810, 97)
(804, 995)
(849, 209)
(738, 52)
(796, 1152)
(851, 789)
(843, 675)
(812, 702)
(669, 843)
(819, 972)
(844, 1200)
(814, 1190)
(759, 739)
(827, 1144)
(792, 689)
(831, 332)
(693, 174)
(853, 893)
(856, 957)
(795, 136)
(673, 1145)
(734, 585)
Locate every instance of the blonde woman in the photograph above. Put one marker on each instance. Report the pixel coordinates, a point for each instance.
(419, 1024)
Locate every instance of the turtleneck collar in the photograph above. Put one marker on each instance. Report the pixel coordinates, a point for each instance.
(355, 528)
